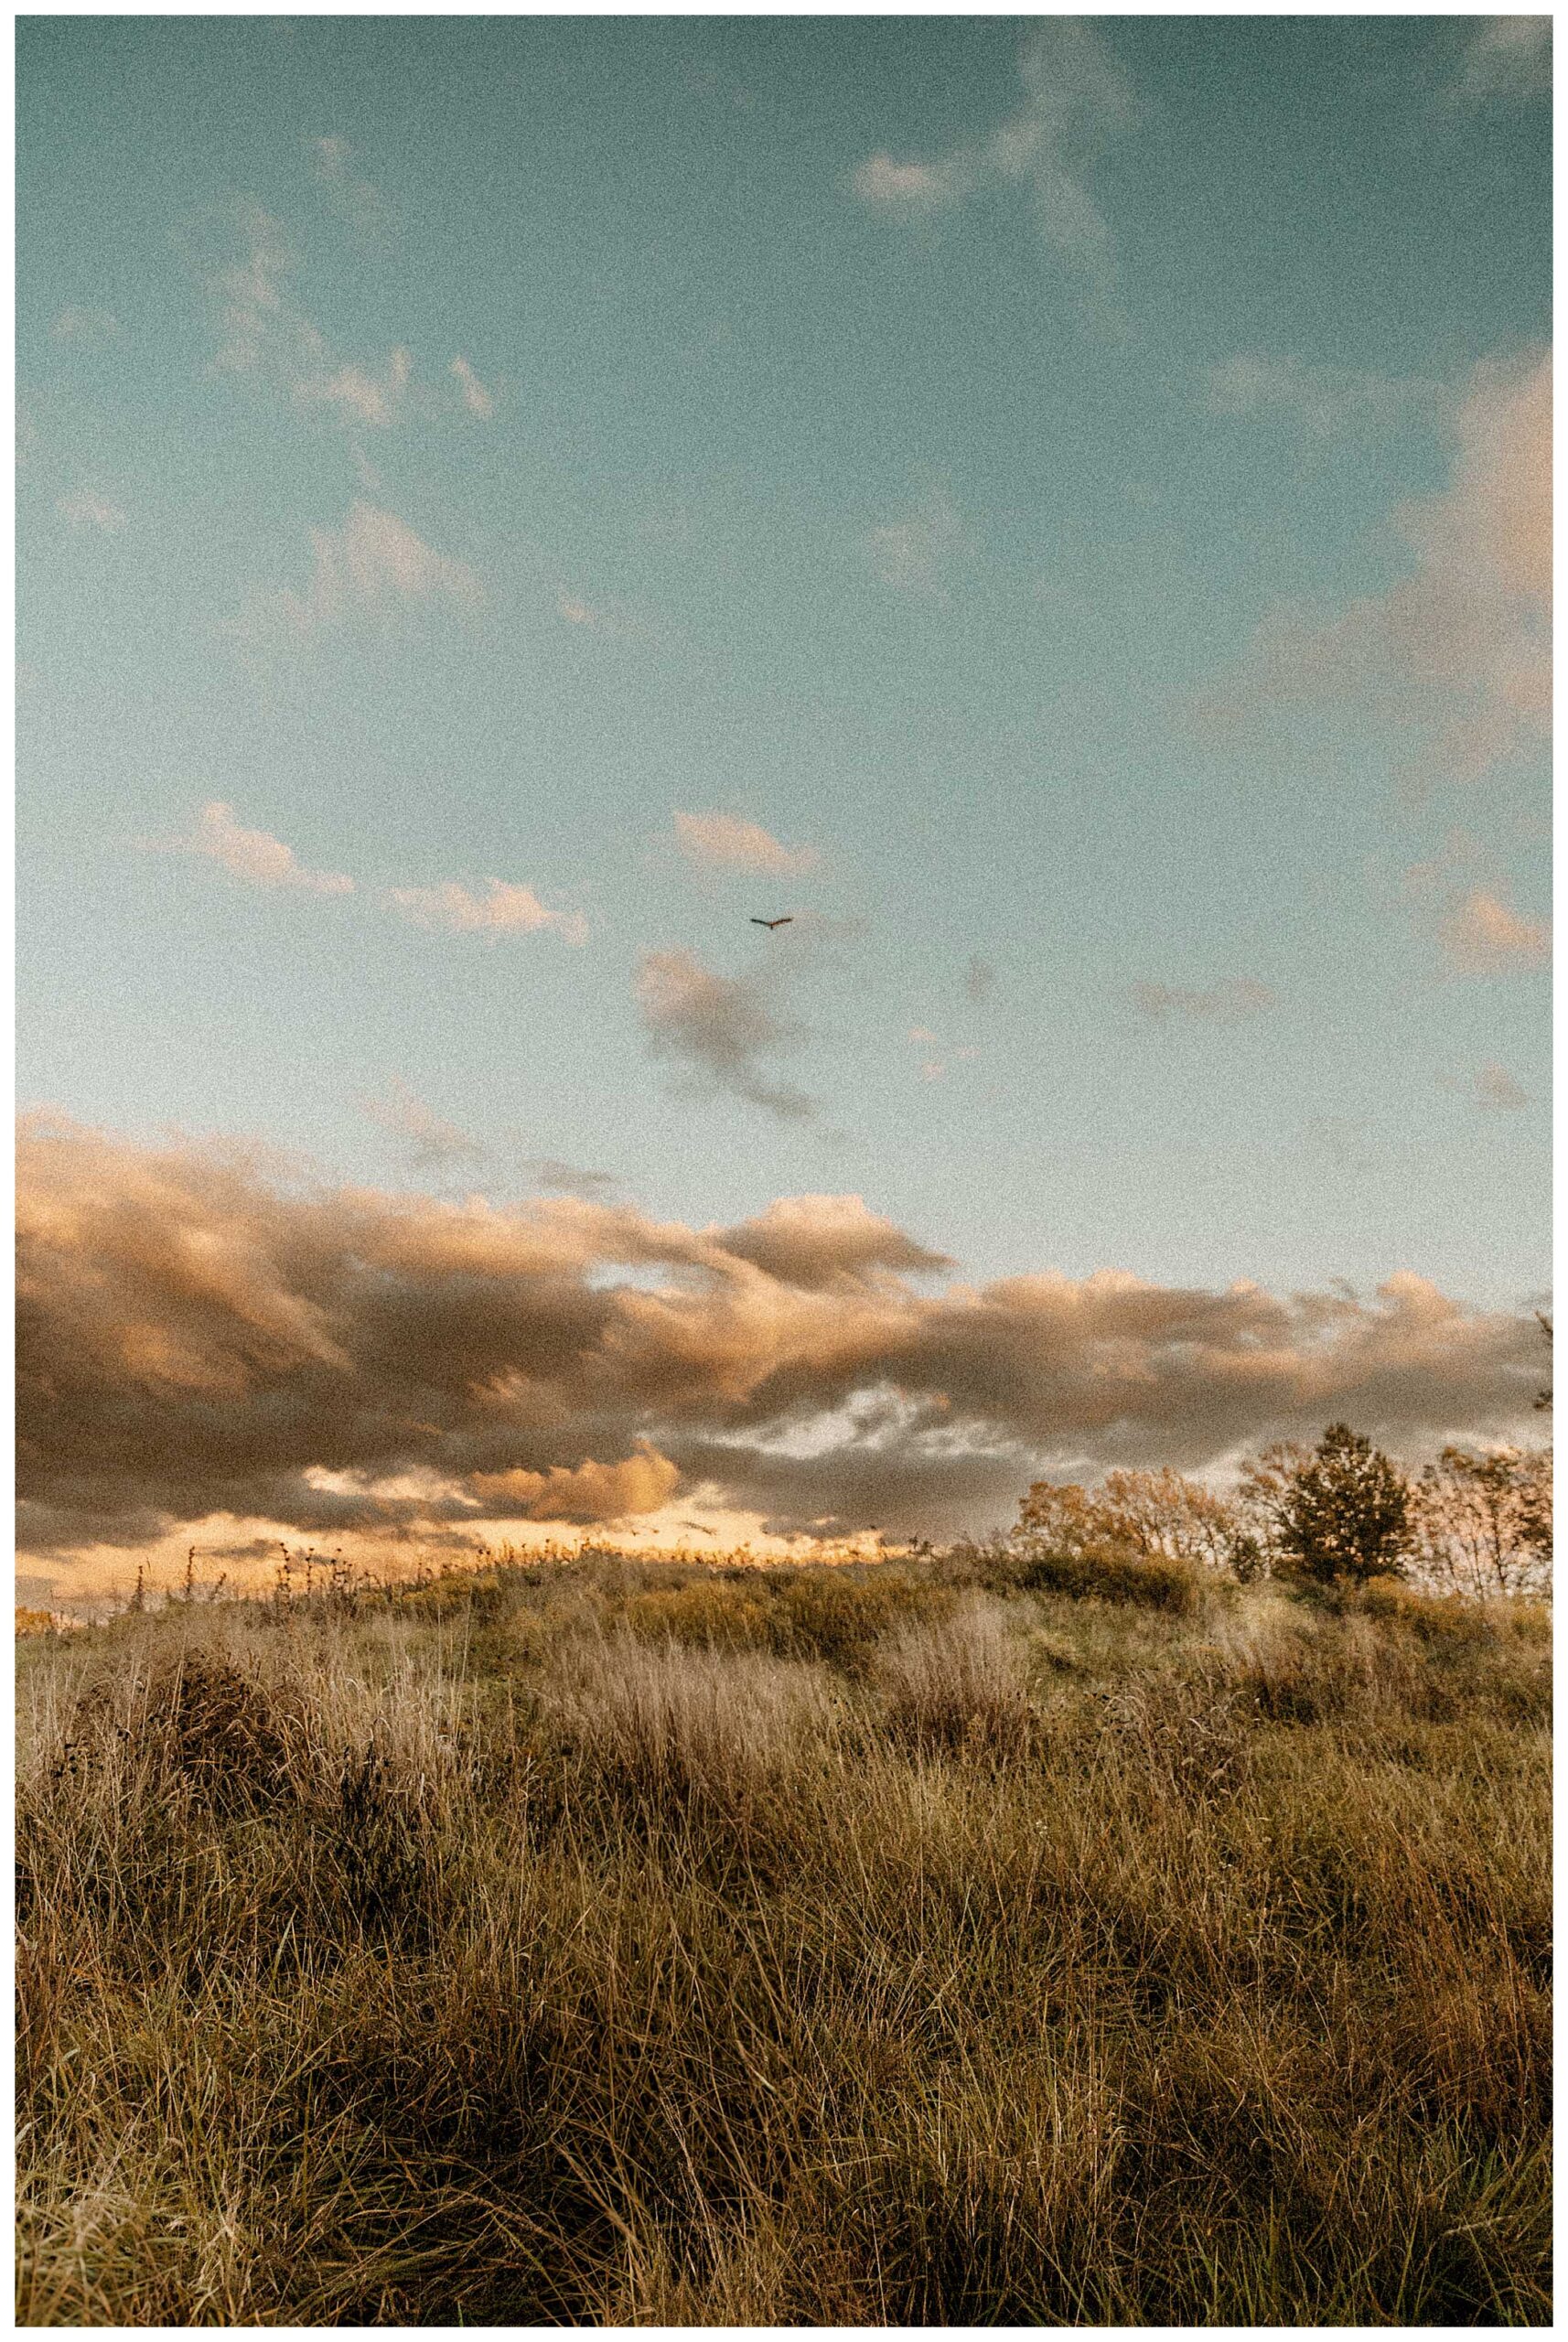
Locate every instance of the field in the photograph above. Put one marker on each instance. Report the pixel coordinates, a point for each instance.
(926, 1942)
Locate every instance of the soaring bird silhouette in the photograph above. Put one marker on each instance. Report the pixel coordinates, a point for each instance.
(771, 923)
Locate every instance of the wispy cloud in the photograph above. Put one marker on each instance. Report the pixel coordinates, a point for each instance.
(606, 620)
(1457, 655)
(372, 566)
(1076, 99)
(87, 328)
(978, 980)
(263, 330)
(1490, 1086)
(85, 509)
(1254, 386)
(556, 1177)
(912, 187)
(729, 842)
(917, 553)
(360, 202)
(934, 1068)
(355, 393)
(720, 1028)
(428, 1142)
(475, 397)
(260, 325)
(1506, 60)
(1457, 854)
(1484, 936)
(1225, 1003)
(503, 910)
(251, 854)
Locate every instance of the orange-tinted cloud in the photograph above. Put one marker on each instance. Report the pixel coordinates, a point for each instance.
(198, 1339)
(503, 910)
(372, 568)
(1482, 935)
(1457, 654)
(727, 842)
(252, 855)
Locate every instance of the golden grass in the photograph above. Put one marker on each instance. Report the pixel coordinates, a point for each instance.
(602, 1942)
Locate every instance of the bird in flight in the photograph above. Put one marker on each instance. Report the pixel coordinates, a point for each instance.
(771, 923)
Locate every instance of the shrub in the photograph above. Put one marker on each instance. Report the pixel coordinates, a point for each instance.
(707, 1615)
(1173, 1587)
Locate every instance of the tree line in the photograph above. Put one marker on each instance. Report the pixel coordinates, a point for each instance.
(1476, 1523)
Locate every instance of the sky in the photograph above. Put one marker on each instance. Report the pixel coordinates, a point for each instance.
(1057, 510)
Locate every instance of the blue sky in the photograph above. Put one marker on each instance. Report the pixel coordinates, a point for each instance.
(1059, 507)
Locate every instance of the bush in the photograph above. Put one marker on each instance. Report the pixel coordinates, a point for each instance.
(1173, 1587)
(824, 1614)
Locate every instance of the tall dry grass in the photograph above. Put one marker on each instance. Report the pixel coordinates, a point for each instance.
(619, 1944)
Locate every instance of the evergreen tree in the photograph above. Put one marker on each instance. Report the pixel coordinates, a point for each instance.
(1344, 1512)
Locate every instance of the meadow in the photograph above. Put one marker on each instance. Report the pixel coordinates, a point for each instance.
(959, 1940)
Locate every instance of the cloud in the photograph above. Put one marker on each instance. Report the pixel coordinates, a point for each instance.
(914, 187)
(1457, 655)
(818, 1242)
(720, 1027)
(260, 324)
(88, 328)
(475, 397)
(1506, 59)
(1490, 1085)
(917, 555)
(1076, 99)
(372, 566)
(978, 980)
(359, 393)
(1226, 1004)
(429, 1142)
(1459, 852)
(727, 842)
(83, 510)
(504, 909)
(1320, 400)
(613, 621)
(931, 1068)
(364, 206)
(549, 1172)
(251, 854)
(198, 1342)
(642, 1482)
(263, 330)
(1481, 936)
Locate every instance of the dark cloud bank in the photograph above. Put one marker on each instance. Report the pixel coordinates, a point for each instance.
(195, 1339)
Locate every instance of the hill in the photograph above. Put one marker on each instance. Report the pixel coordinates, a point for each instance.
(918, 1943)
